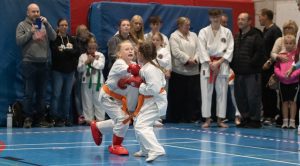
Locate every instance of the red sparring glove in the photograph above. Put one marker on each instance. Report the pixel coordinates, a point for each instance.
(135, 81)
(134, 69)
(123, 82)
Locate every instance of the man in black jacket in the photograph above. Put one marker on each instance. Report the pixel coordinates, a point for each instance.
(248, 58)
(269, 96)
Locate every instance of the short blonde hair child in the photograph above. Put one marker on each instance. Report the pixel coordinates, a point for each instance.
(289, 37)
(119, 46)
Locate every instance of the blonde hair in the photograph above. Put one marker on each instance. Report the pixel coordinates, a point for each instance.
(137, 35)
(181, 20)
(119, 46)
(289, 37)
(80, 29)
(290, 24)
(92, 40)
(91, 43)
(161, 38)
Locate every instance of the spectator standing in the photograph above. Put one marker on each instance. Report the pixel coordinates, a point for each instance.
(91, 65)
(64, 63)
(216, 45)
(184, 90)
(247, 62)
(155, 25)
(82, 36)
(137, 29)
(122, 35)
(33, 35)
(289, 85)
(269, 96)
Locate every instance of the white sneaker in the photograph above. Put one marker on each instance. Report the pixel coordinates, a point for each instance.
(151, 158)
(158, 123)
(139, 154)
(285, 124)
(292, 124)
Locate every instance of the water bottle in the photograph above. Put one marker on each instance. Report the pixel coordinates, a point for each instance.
(9, 119)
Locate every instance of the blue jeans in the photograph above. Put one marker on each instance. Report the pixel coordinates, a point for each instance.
(61, 89)
(77, 93)
(35, 76)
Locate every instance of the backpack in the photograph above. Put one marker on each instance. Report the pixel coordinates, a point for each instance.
(18, 118)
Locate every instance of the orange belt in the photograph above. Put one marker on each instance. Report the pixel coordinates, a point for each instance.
(212, 77)
(116, 96)
(140, 103)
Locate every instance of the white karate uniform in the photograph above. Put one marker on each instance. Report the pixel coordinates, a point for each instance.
(231, 87)
(219, 45)
(111, 106)
(164, 58)
(90, 102)
(151, 110)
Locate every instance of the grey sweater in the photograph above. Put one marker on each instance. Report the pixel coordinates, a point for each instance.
(34, 50)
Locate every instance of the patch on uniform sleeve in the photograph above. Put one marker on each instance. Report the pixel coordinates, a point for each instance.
(160, 56)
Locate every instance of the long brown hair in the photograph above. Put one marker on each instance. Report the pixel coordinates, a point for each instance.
(148, 50)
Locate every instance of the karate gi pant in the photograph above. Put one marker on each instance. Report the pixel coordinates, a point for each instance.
(90, 103)
(113, 108)
(143, 126)
(237, 112)
(221, 86)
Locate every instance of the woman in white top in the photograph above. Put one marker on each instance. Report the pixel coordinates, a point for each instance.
(184, 90)
(290, 27)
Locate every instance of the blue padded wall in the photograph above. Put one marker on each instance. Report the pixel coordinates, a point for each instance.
(104, 17)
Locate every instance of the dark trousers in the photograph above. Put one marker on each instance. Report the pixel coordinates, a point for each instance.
(35, 77)
(248, 95)
(269, 96)
(184, 98)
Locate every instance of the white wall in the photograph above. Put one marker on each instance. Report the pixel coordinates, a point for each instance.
(283, 10)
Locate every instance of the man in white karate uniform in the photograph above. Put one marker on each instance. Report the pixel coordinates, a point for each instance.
(216, 45)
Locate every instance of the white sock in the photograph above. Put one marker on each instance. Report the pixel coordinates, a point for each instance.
(105, 126)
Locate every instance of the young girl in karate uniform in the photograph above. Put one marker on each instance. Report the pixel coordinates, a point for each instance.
(152, 103)
(90, 65)
(113, 99)
(164, 60)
